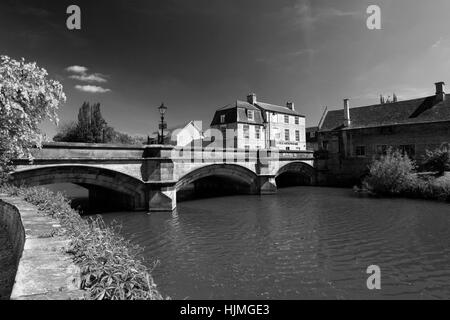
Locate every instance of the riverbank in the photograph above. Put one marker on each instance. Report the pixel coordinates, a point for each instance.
(110, 267)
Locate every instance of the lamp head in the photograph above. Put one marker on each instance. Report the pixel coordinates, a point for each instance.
(162, 109)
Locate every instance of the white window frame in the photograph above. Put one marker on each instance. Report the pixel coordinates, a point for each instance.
(251, 115)
(222, 118)
(246, 133)
(288, 134)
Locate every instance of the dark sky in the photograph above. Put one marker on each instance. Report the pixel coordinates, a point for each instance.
(199, 55)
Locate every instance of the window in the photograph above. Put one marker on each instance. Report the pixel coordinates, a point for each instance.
(360, 151)
(288, 148)
(297, 135)
(222, 118)
(382, 149)
(325, 145)
(247, 148)
(312, 134)
(246, 131)
(286, 119)
(286, 134)
(408, 149)
(224, 133)
(257, 133)
(250, 115)
(296, 120)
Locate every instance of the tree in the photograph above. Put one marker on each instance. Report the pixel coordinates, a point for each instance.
(92, 128)
(67, 132)
(394, 98)
(27, 97)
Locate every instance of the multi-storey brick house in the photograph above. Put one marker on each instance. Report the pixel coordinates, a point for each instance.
(350, 138)
(254, 125)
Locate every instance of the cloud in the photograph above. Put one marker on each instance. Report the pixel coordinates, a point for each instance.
(77, 69)
(438, 43)
(95, 77)
(91, 89)
(80, 73)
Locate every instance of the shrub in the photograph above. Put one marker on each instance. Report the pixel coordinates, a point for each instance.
(110, 265)
(390, 174)
(437, 160)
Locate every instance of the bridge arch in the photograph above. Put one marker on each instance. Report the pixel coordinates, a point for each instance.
(242, 178)
(85, 175)
(296, 172)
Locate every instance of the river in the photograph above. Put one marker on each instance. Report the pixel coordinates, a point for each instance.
(302, 243)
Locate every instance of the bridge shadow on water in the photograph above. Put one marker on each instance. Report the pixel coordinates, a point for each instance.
(88, 199)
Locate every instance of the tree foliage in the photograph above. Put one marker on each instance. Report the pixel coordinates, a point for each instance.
(27, 97)
(93, 128)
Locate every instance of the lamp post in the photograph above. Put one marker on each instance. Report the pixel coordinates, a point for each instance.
(162, 109)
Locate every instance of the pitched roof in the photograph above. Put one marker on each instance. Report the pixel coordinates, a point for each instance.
(420, 110)
(275, 108)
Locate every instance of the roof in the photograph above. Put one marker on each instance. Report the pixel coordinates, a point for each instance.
(421, 110)
(312, 129)
(275, 108)
(236, 112)
(239, 104)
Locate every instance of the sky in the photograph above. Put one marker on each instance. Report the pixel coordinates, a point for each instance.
(199, 55)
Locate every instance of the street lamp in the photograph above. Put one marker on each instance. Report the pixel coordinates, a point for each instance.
(162, 109)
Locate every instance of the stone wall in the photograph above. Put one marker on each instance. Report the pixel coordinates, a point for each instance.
(44, 270)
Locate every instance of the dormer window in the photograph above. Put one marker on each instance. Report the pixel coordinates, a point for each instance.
(222, 118)
(250, 115)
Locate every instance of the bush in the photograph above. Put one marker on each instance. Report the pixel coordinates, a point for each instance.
(390, 174)
(437, 160)
(110, 265)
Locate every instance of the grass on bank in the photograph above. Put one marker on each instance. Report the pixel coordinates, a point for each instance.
(111, 267)
(394, 174)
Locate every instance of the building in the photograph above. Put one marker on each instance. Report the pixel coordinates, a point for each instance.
(350, 138)
(188, 134)
(311, 138)
(253, 124)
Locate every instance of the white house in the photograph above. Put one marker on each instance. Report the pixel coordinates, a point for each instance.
(184, 136)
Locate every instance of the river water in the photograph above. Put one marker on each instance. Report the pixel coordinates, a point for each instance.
(303, 243)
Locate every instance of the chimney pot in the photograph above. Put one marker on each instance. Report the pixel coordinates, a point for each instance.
(440, 91)
(251, 98)
(347, 120)
(290, 105)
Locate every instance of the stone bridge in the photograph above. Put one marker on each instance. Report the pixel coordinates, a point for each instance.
(148, 177)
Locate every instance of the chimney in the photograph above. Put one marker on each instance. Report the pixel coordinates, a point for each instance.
(251, 98)
(347, 120)
(290, 105)
(440, 91)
